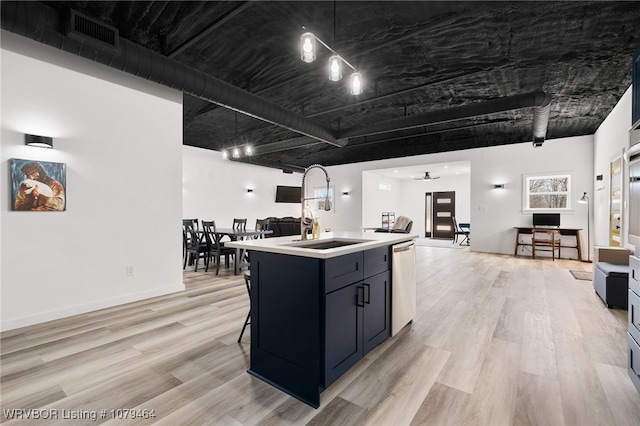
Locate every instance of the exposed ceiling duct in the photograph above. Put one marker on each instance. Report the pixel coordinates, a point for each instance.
(41, 23)
(540, 102)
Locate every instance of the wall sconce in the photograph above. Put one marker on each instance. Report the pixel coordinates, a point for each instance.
(499, 186)
(249, 190)
(345, 193)
(39, 141)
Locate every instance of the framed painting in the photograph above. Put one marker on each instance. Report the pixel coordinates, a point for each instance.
(37, 185)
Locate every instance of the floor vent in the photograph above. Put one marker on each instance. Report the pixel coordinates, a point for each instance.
(90, 31)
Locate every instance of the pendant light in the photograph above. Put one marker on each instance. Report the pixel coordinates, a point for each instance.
(308, 54)
(356, 83)
(335, 61)
(335, 68)
(308, 47)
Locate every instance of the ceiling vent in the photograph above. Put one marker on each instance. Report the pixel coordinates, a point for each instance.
(91, 32)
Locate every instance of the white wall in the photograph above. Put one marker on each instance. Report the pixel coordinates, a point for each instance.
(493, 213)
(216, 189)
(407, 198)
(412, 198)
(611, 140)
(121, 139)
(379, 200)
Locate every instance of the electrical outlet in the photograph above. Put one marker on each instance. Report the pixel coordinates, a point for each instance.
(130, 271)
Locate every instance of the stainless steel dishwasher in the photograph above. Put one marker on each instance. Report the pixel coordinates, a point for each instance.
(403, 292)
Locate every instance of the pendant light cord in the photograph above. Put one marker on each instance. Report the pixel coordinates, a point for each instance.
(334, 23)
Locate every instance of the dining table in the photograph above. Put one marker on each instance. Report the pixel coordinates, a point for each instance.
(238, 235)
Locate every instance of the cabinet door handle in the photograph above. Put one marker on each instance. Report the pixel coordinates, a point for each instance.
(367, 293)
(358, 302)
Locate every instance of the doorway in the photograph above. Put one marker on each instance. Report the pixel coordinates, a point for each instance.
(440, 207)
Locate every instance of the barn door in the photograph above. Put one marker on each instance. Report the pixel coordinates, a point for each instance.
(444, 207)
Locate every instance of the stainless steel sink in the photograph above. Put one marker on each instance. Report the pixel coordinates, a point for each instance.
(325, 244)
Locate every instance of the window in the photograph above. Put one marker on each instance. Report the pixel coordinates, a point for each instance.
(550, 192)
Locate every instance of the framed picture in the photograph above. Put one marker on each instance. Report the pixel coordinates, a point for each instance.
(321, 194)
(37, 185)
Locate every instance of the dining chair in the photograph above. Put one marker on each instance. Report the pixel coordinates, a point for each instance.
(262, 225)
(185, 236)
(458, 230)
(194, 246)
(240, 224)
(216, 248)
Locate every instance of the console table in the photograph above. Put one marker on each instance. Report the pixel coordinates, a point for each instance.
(528, 230)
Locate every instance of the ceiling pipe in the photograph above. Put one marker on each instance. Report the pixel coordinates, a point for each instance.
(287, 168)
(235, 10)
(540, 101)
(43, 23)
(284, 145)
(405, 127)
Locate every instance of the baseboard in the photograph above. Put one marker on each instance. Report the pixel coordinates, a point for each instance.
(13, 324)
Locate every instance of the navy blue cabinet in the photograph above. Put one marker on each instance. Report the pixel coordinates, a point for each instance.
(358, 316)
(376, 311)
(343, 332)
(285, 331)
(312, 319)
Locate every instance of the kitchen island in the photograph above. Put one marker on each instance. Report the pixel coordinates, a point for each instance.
(318, 306)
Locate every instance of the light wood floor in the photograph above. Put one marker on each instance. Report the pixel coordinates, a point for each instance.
(497, 340)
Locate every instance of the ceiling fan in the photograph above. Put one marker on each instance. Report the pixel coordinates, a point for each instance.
(427, 177)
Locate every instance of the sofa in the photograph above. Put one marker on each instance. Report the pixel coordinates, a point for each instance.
(611, 275)
(284, 226)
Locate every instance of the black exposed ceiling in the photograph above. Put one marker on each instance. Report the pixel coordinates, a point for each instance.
(416, 57)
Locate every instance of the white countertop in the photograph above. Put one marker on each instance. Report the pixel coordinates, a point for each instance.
(288, 245)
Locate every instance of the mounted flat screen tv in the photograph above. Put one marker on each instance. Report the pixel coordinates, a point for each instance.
(546, 219)
(288, 194)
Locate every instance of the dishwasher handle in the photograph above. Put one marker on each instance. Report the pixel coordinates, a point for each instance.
(404, 246)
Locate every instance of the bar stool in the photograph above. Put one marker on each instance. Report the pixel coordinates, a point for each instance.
(247, 281)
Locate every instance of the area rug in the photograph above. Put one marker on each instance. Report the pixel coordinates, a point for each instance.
(582, 275)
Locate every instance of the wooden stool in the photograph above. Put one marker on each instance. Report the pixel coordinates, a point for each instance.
(550, 243)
